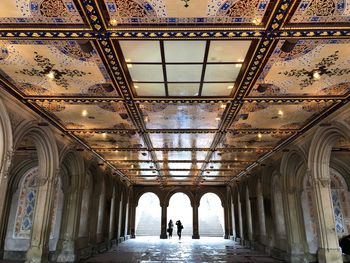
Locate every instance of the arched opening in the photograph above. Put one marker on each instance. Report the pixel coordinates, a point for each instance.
(211, 216)
(148, 213)
(180, 209)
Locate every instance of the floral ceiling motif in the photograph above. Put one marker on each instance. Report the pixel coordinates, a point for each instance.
(55, 68)
(313, 67)
(322, 11)
(196, 11)
(39, 12)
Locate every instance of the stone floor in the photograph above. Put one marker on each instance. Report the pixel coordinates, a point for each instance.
(153, 249)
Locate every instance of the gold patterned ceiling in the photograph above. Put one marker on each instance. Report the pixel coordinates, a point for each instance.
(178, 92)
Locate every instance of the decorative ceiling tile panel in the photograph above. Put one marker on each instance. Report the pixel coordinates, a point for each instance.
(149, 89)
(183, 73)
(235, 156)
(186, 12)
(181, 155)
(127, 156)
(181, 165)
(277, 116)
(228, 51)
(39, 12)
(228, 72)
(217, 89)
(186, 89)
(141, 51)
(133, 165)
(129, 139)
(313, 67)
(184, 51)
(90, 115)
(257, 140)
(325, 11)
(54, 68)
(181, 116)
(182, 140)
(146, 72)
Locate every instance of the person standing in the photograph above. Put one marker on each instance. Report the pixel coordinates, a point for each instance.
(179, 228)
(170, 228)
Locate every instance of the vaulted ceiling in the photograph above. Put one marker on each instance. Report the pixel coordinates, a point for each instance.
(178, 92)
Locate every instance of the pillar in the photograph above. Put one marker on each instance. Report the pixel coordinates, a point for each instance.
(163, 234)
(261, 217)
(240, 221)
(329, 250)
(112, 216)
(233, 220)
(249, 216)
(226, 221)
(195, 221)
(39, 243)
(132, 219)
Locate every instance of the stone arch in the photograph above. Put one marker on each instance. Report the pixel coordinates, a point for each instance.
(179, 190)
(6, 140)
(139, 194)
(219, 193)
(321, 147)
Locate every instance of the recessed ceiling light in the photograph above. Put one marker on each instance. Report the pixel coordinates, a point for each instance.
(236, 159)
(84, 113)
(129, 65)
(316, 75)
(51, 75)
(230, 87)
(196, 94)
(104, 135)
(217, 118)
(113, 22)
(259, 135)
(136, 87)
(238, 65)
(222, 106)
(280, 113)
(256, 21)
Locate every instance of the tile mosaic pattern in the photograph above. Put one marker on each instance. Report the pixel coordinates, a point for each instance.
(179, 12)
(327, 11)
(39, 12)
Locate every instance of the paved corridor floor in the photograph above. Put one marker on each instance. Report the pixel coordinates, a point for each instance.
(153, 249)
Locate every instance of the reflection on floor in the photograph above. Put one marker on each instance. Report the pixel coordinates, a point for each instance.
(153, 249)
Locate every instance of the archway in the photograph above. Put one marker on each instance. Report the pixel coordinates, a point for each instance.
(180, 209)
(148, 213)
(211, 216)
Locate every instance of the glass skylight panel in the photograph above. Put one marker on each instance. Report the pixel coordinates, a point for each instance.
(228, 51)
(149, 89)
(217, 89)
(184, 51)
(183, 89)
(141, 51)
(183, 73)
(221, 73)
(146, 72)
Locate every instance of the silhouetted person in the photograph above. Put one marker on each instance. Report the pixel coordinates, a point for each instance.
(170, 228)
(179, 228)
(345, 245)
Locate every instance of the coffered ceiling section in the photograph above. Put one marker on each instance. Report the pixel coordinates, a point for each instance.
(138, 12)
(39, 12)
(311, 68)
(55, 68)
(183, 68)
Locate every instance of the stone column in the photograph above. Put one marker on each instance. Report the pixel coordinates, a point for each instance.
(132, 220)
(240, 221)
(261, 218)
(233, 221)
(39, 244)
(120, 218)
(195, 221)
(249, 216)
(163, 234)
(112, 217)
(329, 250)
(226, 222)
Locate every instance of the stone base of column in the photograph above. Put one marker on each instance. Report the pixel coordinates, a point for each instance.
(329, 255)
(195, 236)
(37, 255)
(226, 236)
(163, 236)
(67, 256)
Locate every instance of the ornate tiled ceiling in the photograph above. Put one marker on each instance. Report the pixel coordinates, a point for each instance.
(178, 92)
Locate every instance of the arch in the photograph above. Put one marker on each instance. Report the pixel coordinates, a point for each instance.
(179, 190)
(211, 217)
(321, 147)
(139, 194)
(148, 217)
(6, 140)
(215, 191)
(180, 211)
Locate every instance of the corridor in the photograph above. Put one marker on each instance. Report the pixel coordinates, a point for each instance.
(153, 249)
